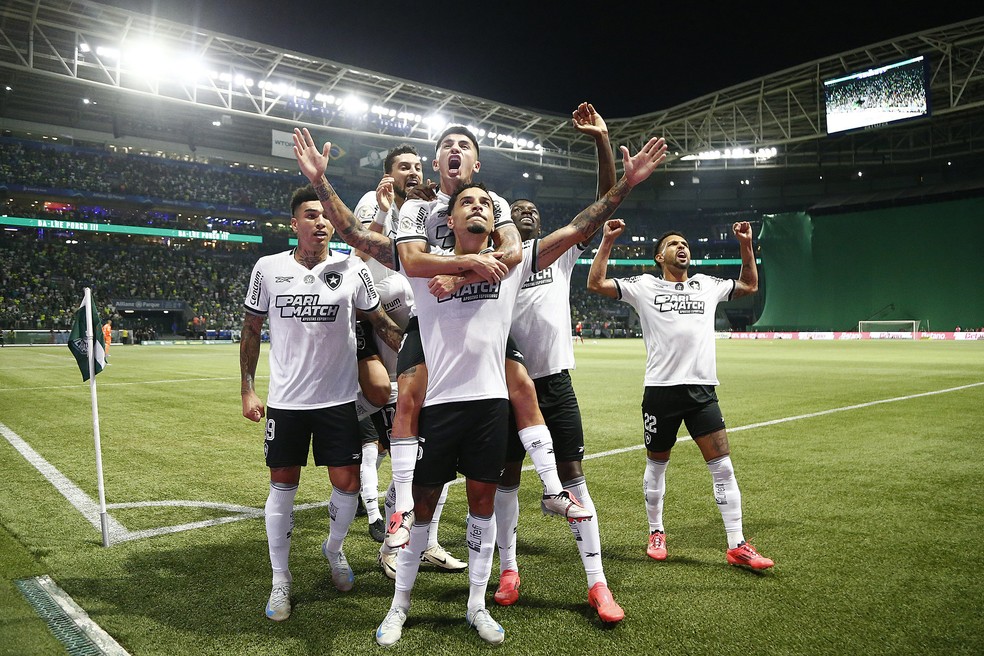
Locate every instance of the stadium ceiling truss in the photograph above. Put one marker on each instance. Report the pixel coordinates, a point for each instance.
(60, 50)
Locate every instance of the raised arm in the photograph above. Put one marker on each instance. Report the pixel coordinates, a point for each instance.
(598, 280)
(313, 163)
(588, 121)
(249, 354)
(748, 279)
(637, 168)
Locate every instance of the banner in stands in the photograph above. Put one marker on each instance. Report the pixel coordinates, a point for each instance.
(829, 336)
(282, 144)
(151, 305)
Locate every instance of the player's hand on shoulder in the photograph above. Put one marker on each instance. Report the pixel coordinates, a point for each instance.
(425, 192)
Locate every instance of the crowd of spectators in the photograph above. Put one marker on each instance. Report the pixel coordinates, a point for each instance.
(43, 279)
(88, 170)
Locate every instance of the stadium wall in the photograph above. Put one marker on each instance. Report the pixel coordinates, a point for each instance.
(919, 262)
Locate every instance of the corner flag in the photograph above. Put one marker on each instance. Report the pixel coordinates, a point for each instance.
(78, 342)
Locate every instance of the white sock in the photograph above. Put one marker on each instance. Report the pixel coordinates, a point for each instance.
(728, 498)
(480, 536)
(586, 534)
(506, 521)
(370, 481)
(436, 518)
(403, 458)
(279, 515)
(389, 505)
(538, 443)
(341, 512)
(380, 457)
(408, 564)
(654, 489)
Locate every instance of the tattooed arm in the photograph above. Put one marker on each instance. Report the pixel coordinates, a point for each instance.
(313, 164)
(637, 168)
(385, 328)
(249, 354)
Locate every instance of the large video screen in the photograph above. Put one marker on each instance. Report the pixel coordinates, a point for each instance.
(896, 92)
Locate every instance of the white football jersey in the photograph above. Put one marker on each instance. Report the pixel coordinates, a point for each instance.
(396, 295)
(464, 335)
(541, 324)
(428, 220)
(312, 326)
(677, 325)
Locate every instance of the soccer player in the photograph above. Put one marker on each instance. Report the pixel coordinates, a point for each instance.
(677, 315)
(310, 296)
(420, 226)
(380, 211)
(467, 384)
(541, 329)
(107, 330)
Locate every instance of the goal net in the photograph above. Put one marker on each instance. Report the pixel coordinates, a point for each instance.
(897, 326)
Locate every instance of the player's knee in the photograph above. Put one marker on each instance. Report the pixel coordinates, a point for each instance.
(377, 393)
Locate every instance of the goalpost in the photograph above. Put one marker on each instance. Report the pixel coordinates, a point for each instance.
(896, 326)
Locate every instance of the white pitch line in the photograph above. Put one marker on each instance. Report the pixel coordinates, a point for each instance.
(82, 501)
(119, 533)
(809, 415)
(140, 382)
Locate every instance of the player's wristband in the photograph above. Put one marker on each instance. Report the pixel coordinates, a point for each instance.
(380, 218)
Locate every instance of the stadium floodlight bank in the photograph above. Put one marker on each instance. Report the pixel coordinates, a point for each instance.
(884, 326)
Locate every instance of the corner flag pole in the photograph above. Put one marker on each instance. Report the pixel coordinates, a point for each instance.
(103, 517)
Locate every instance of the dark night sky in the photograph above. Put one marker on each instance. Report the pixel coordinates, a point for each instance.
(549, 55)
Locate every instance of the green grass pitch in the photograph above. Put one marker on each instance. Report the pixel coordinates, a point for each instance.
(859, 464)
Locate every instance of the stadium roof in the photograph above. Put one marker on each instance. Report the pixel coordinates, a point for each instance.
(79, 64)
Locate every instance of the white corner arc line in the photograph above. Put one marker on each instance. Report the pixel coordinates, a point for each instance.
(82, 501)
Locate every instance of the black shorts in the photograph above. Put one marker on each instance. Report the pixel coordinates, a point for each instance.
(367, 430)
(412, 349)
(558, 404)
(332, 432)
(382, 420)
(463, 436)
(365, 344)
(664, 408)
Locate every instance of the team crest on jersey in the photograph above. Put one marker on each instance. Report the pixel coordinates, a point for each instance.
(309, 279)
(679, 303)
(694, 284)
(283, 279)
(476, 291)
(678, 286)
(366, 213)
(544, 277)
(333, 279)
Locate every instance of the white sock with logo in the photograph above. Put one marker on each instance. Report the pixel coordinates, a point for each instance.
(436, 518)
(538, 443)
(480, 536)
(408, 564)
(341, 512)
(403, 458)
(654, 489)
(728, 498)
(279, 515)
(506, 522)
(370, 481)
(586, 534)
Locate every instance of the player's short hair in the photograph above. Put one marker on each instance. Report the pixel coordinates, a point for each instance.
(659, 243)
(302, 195)
(465, 185)
(457, 129)
(402, 149)
(522, 200)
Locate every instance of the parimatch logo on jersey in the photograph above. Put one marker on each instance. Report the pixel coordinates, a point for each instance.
(544, 277)
(679, 303)
(476, 291)
(306, 308)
